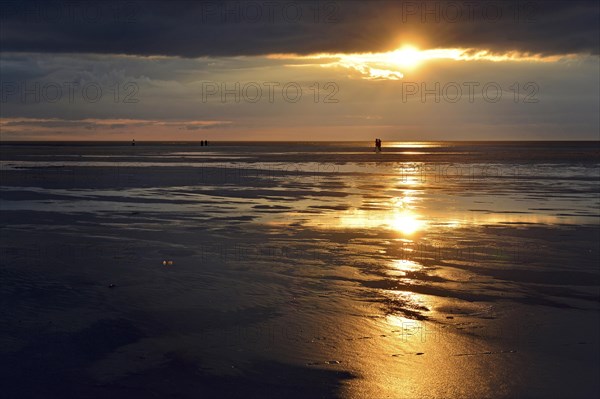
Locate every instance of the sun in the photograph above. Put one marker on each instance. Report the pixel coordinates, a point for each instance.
(407, 56)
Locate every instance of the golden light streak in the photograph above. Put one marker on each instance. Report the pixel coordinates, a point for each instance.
(391, 65)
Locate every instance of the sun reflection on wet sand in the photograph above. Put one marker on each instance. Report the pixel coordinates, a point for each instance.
(403, 221)
(402, 266)
(428, 269)
(395, 214)
(406, 222)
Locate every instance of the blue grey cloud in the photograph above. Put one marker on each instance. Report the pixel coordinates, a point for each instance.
(211, 28)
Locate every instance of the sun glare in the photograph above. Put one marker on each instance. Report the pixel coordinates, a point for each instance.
(407, 57)
(406, 222)
(391, 65)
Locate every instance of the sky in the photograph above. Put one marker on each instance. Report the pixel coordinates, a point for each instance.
(299, 70)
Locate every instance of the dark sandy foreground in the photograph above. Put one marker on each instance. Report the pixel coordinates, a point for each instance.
(182, 281)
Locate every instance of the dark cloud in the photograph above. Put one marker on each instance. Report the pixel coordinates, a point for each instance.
(191, 29)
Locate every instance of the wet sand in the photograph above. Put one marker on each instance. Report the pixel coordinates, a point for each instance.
(299, 270)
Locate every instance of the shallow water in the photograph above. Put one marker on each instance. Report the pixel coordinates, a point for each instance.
(444, 270)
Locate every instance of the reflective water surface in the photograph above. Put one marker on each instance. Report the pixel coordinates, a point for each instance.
(430, 270)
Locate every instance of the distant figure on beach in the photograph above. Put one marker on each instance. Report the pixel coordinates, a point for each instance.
(133, 142)
(201, 143)
(377, 145)
(206, 142)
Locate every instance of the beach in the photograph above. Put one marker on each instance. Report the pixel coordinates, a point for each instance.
(300, 270)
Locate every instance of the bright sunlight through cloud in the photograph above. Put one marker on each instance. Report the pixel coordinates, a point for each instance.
(392, 65)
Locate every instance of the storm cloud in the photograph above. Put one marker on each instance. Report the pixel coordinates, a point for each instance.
(209, 28)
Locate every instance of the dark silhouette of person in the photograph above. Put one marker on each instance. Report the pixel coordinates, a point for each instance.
(377, 144)
(201, 143)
